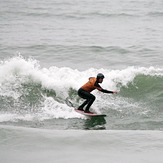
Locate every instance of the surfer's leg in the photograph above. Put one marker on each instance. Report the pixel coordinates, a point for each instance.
(85, 95)
(82, 105)
(90, 102)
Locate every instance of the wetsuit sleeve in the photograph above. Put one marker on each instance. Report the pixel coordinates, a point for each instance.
(97, 86)
(101, 89)
(106, 91)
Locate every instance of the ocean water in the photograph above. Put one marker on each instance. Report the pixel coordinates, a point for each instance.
(48, 49)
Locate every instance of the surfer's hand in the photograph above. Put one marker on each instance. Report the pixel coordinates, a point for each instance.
(115, 92)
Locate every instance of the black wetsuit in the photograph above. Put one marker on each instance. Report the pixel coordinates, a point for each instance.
(90, 98)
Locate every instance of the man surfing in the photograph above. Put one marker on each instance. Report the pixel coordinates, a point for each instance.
(85, 91)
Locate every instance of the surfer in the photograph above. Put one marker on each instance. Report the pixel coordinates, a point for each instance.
(85, 91)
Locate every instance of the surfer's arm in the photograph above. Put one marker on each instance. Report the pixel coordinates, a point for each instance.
(103, 90)
(107, 91)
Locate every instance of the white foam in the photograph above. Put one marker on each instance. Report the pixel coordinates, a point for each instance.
(17, 70)
(54, 109)
(15, 117)
(65, 77)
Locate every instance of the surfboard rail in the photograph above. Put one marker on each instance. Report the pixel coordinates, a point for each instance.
(90, 114)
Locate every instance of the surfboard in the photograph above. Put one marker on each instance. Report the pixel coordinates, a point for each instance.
(90, 114)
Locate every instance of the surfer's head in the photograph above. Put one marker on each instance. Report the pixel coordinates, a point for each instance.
(100, 77)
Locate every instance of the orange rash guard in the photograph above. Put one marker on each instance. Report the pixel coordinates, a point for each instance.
(90, 85)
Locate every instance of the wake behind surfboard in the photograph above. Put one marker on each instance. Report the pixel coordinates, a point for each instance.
(90, 114)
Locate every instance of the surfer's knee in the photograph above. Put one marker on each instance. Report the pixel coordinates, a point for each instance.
(93, 98)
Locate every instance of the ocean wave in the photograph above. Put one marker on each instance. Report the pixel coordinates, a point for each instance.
(88, 15)
(156, 14)
(28, 89)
